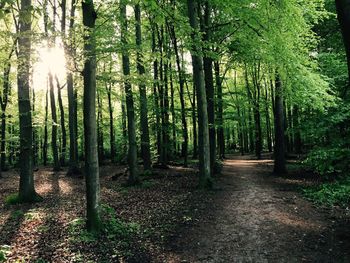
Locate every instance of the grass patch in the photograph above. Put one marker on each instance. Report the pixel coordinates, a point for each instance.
(4, 252)
(330, 194)
(12, 199)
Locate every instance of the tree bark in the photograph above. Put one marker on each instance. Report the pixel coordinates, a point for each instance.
(4, 101)
(280, 160)
(132, 156)
(26, 185)
(145, 140)
(296, 129)
(111, 123)
(54, 125)
(220, 120)
(198, 79)
(63, 123)
(72, 109)
(209, 85)
(45, 144)
(90, 130)
(184, 146)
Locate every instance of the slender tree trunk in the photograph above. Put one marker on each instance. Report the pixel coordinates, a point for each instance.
(220, 120)
(45, 144)
(111, 123)
(166, 127)
(26, 185)
(209, 85)
(132, 156)
(63, 127)
(296, 129)
(145, 140)
(256, 111)
(184, 146)
(280, 160)
(72, 109)
(100, 141)
(194, 125)
(54, 125)
(268, 121)
(4, 102)
(155, 92)
(198, 80)
(90, 130)
(172, 110)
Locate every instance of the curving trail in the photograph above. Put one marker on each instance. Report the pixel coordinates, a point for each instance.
(257, 217)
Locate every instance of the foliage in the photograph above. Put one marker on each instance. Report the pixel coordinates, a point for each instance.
(4, 251)
(333, 193)
(12, 199)
(328, 161)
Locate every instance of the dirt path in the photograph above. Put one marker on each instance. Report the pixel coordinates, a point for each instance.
(256, 217)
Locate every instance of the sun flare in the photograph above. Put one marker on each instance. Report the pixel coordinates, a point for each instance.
(48, 60)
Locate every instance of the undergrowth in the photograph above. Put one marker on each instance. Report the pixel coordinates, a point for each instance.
(330, 193)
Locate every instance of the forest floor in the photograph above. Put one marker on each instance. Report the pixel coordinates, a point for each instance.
(250, 216)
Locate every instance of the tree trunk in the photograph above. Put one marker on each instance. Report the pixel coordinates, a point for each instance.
(209, 86)
(198, 80)
(145, 141)
(4, 101)
(184, 146)
(343, 12)
(155, 92)
(220, 120)
(172, 110)
(268, 122)
(280, 160)
(194, 125)
(72, 109)
(100, 125)
(90, 130)
(26, 185)
(111, 123)
(45, 144)
(54, 125)
(63, 127)
(132, 156)
(296, 129)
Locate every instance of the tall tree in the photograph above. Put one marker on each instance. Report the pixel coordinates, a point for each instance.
(198, 79)
(132, 155)
(209, 82)
(54, 125)
(90, 129)
(280, 159)
(184, 146)
(72, 109)
(145, 140)
(26, 185)
(220, 111)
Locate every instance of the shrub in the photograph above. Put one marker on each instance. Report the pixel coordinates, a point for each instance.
(335, 193)
(327, 161)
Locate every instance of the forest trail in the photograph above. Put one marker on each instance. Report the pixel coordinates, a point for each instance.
(257, 217)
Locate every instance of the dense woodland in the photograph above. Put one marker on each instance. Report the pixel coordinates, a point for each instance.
(151, 84)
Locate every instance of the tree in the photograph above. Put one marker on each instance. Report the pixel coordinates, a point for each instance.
(132, 155)
(90, 129)
(145, 141)
(205, 180)
(280, 159)
(26, 185)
